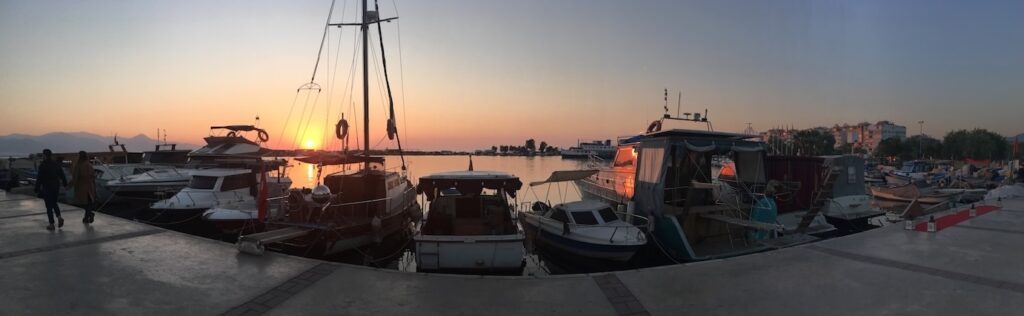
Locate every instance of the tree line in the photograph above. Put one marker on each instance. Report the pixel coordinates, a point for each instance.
(978, 144)
(529, 147)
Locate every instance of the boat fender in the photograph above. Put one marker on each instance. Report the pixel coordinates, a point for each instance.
(341, 129)
(392, 128)
(565, 228)
(375, 224)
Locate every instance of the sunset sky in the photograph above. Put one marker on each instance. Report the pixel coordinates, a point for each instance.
(471, 74)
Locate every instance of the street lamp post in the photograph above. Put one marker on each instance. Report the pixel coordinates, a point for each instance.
(920, 139)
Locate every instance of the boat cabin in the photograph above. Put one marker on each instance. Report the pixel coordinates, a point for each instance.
(586, 212)
(469, 203)
(674, 175)
(232, 144)
(469, 224)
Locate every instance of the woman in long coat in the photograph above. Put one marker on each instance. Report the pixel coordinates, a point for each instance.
(83, 180)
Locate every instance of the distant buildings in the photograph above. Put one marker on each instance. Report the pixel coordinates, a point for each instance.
(867, 136)
(864, 135)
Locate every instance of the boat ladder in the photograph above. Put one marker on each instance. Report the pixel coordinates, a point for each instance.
(820, 197)
(255, 244)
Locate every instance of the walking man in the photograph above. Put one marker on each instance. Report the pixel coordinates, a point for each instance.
(48, 182)
(83, 180)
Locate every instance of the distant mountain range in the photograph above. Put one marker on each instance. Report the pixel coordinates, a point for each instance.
(19, 145)
(1020, 138)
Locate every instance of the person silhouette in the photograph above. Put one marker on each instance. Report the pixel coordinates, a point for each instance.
(83, 180)
(48, 182)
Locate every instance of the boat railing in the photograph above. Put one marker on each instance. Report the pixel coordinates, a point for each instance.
(670, 192)
(593, 161)
(374, 200)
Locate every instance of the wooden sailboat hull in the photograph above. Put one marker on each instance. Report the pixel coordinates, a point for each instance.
(909, 193)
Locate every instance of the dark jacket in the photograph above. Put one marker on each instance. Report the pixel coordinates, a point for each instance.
(50, 176)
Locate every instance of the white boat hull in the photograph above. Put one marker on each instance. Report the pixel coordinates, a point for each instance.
(552, 236)
(470, 253)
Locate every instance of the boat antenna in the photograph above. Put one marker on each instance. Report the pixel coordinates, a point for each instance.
(666, 101)
(470, 162)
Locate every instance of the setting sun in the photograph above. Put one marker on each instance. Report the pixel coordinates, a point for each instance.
(309, 144)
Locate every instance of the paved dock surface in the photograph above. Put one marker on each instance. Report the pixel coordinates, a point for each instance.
(118, 267)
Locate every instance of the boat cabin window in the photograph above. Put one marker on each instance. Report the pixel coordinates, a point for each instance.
(625, 157)
(607, 215)
(559, 215)
(469, 215)
(584, 218)
(237, 181)
(202, 182)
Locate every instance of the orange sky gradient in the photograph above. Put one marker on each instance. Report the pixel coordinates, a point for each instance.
(471, 75)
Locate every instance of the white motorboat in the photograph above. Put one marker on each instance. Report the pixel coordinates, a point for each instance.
(210, 188)
(153, 184)
(587, 149)
(469, 225)
(231, 150)
(587, 228)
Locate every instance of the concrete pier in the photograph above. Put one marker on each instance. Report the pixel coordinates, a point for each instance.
(116, 266)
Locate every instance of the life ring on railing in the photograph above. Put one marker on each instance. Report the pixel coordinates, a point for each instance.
(262, 134)
(654, 127)
(341, 129)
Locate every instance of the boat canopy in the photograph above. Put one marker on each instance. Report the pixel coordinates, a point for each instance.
(566, 175)
(238, 128)
(684, 156)
(468, 183)
(336, 158)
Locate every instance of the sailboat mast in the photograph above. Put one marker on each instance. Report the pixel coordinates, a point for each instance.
(366, 88)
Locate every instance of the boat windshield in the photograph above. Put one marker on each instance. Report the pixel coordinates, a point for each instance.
(607, 215)
(202, 182)
(584, 218)
(625, 156)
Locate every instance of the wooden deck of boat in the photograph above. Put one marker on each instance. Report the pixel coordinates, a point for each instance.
(115, 266)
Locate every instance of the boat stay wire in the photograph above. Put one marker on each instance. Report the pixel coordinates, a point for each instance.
(392, 125)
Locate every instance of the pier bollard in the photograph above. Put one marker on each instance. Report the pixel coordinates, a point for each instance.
(931, 224)
(973, 212)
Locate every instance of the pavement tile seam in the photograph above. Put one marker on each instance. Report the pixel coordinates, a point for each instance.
(994, 229)
(62, 211)
(26, 197)
(71, 244)
(276, 296)
(621, 298)
(951, 275)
